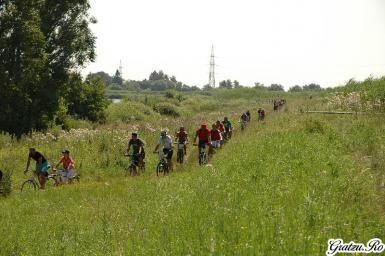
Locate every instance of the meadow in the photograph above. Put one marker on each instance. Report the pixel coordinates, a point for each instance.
(281, 187)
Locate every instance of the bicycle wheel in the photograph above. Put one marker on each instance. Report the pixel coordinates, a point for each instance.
(202, 158)
(166, 168)
(142, 167)
(75, 179)
(159, 169)
(52, 181)
(180, 156)
(28, 186)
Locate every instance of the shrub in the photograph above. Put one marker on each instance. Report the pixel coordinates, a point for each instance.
(5, 183)
(167, 109)
(314, 126)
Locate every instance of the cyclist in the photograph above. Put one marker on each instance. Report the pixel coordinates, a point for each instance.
(248, 115)
(182, 138)
(228, 127)
(138, 153)
(243, 120)
(42, 166)
(216, 136)
(204, 136)
(275, 105)
(166, 141)
(68, 165)
(261, 114)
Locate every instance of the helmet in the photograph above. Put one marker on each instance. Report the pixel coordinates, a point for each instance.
(163, 133)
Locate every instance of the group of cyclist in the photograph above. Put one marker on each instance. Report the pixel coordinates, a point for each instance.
(214, 138)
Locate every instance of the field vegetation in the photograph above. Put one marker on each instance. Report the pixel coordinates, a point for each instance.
(282, 187)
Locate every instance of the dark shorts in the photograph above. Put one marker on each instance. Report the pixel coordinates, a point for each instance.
(44, 174)
(168, 153)
(202, 143)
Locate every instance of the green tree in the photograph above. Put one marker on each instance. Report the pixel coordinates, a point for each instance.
(86, 99)
(40, 43)
(117, 78)
(275, 87)
(295, 88)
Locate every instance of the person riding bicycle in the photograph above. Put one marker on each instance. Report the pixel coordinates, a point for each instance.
(68, 165)
(42, 166)
(261, 114)
(182, 138)
(248, 115)
(216, 136)
(137, 146)
(228, 127)
(204, 136)
(166, 141)
(275, 105)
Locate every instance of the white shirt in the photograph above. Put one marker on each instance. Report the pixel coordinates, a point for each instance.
(165, 141)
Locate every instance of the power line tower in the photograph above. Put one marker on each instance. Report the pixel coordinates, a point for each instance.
(212, 68)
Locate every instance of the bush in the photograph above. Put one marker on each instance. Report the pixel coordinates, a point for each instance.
(314, 126)
(5, 183)
(127, 111)
(167, 109)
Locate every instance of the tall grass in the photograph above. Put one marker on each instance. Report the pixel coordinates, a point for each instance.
(283, 187)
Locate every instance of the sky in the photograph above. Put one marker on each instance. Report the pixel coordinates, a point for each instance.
(289, 42)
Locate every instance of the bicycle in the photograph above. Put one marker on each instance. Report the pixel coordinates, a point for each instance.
(163, 165)
(243, 125)
(61, 177)
(181, 152)
(135, 164)
(33, 184)
(203, 158)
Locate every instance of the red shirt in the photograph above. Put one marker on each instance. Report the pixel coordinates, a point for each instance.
(221, 127)
(203, 134)
(215, 135)
(67, 162)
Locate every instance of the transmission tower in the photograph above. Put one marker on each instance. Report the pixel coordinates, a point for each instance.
(212, 68)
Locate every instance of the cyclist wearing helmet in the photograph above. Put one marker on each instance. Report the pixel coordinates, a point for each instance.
(137, 146)
(204, 136)
(166, 141)
(68, 165)
(182, 138)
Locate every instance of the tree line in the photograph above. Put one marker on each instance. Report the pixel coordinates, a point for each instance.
(157, 81)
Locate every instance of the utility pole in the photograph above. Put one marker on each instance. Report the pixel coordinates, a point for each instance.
(212, 68)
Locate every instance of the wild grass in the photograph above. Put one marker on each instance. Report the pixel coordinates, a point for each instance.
(283, 187)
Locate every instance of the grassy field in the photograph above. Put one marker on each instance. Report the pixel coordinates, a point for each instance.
(283, 187)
